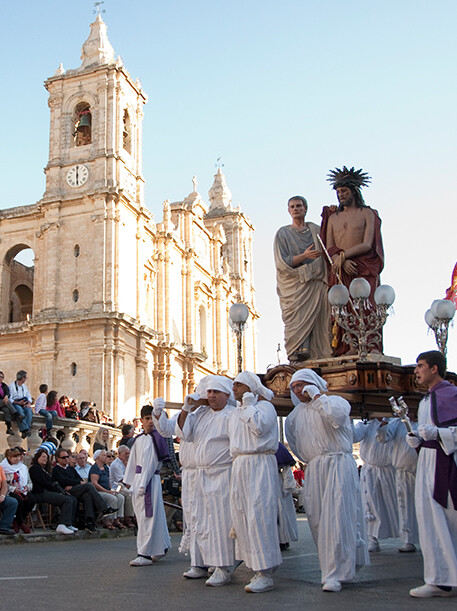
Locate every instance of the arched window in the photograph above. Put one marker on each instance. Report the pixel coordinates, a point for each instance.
(127, 132)
(17, 284)
(82, 124)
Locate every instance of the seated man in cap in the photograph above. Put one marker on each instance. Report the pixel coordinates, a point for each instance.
(207, 429)
(254, 490)
(319, 432)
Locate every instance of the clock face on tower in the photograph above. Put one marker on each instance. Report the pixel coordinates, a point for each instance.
(77, 175)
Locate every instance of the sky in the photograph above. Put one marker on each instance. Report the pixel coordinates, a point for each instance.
(283, 92)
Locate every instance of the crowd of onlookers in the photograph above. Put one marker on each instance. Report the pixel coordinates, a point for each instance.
(74, 490)
(87, 492)
(17, 404)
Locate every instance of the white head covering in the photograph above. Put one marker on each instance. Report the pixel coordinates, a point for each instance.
(213, 382)
(306, 375)
(253, 382)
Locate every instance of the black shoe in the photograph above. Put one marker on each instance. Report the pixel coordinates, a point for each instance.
(25, 433)
(108, 512)
(90, 527)
(9, 431)
(7, 531)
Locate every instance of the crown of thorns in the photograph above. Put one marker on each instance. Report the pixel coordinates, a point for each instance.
(348, 178)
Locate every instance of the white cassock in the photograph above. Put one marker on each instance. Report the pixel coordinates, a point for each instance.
(254, 489)
(404, 461)
(142, 468)
(287, 518)
(168, 427)
(209, 513)
(437, 524)
(320, 434)
(377, 479)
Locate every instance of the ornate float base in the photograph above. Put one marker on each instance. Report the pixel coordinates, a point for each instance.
(367, 386)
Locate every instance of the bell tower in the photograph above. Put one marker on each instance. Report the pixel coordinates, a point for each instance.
(95, 125)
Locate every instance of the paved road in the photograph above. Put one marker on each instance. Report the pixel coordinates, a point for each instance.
(94, 574)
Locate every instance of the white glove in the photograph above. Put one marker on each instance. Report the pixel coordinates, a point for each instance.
(413, 441)
(428, 432)
(249, 399)
(189, 401)
(141, 491)
(312, 391)
(159, 405)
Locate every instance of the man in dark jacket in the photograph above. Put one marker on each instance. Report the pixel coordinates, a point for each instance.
(70, 481)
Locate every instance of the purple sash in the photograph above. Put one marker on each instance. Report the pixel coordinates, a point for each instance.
(148, 509)
(443, 400)
(445, 474)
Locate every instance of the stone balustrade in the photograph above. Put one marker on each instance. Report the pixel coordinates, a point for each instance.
(78, 434)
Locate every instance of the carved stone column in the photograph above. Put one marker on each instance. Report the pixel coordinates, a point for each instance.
(34, 441)
(69, 443)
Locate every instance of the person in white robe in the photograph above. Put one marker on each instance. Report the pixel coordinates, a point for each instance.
(404, 461)
(436, 478)
(287, 518)
(209, 515)
(168, 427)
(319, 432)
(254, 493)
(377, 478)
(142, 474)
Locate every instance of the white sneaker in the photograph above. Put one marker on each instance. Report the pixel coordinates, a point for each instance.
(332, 585)
(73, 528)
(63, 530)
(407, 548)
(141, 561)
(429, 591)
(195, 572)
(259, 583)
(373, 545)
(219, 578)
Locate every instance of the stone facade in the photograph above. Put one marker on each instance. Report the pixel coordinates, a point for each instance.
(117, 307)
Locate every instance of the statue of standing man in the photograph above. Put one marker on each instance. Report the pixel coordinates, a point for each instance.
(302, 286)
(352, 236)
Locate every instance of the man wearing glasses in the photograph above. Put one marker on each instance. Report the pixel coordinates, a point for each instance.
(70, 480)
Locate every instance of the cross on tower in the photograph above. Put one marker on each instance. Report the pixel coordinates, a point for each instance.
(97, 6)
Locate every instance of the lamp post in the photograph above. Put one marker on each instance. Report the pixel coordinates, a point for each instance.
(438, 318)
(362, 324)
(238, 315)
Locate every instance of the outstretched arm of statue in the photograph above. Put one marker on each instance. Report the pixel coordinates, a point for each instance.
(310, 253)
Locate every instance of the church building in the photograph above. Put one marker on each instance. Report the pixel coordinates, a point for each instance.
(117, 307)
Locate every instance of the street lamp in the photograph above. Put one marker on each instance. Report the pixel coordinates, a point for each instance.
(438, 318)
(362, 322)
(238, 315)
